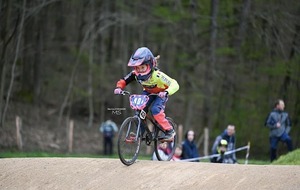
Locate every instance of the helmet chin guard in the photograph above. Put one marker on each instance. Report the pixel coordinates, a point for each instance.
(143, 77)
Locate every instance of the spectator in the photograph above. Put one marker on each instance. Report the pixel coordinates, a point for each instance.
(163, 151)
(108, 129)
(189, 149)
(279, 123)
(220, 149)
(177, 154)
(229, 136)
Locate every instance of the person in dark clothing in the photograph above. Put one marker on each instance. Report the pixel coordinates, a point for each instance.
(220, 149)
(279, 123)
(229, 136)
(189, 149)
(108, 129)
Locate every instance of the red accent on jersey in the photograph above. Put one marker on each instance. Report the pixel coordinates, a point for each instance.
(155, 90)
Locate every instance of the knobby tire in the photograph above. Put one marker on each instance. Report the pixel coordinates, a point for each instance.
(128, 149)
(171, 145)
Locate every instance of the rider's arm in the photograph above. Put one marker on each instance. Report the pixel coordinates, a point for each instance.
(172, 84)
(126, 80)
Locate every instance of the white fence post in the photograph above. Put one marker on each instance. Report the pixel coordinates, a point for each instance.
(248, 152)
(180, 133)
(18, 131)
(206, 141)
(71, 128)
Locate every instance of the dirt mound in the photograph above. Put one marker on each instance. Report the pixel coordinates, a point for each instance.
(87, 173)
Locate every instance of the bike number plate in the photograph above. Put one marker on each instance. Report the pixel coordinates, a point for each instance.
(138, 102)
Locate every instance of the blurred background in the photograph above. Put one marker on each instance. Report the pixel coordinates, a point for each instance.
(60, 61)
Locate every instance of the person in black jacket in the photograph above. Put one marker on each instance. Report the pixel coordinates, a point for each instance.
(229, 136)
(189, 148)
(279, 123)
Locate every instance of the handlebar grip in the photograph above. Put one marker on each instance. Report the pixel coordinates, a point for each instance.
(125, 92)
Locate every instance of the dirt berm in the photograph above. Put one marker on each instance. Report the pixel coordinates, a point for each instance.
(89, 173)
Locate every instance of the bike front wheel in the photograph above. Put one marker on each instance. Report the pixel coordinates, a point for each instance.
(164, 151)
(129, 141)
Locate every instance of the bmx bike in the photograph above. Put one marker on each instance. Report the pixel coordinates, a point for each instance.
(134, 130)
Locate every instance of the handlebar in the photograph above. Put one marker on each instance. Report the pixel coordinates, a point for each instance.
(125, 93)
(128, 93)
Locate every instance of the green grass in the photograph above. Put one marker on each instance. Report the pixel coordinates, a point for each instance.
(254, 162)
(292, 158)
(46, 154)
(15, 154)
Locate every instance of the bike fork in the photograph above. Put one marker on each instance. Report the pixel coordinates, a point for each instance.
(137, 131)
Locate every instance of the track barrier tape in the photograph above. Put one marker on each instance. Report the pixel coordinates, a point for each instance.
(217, 155)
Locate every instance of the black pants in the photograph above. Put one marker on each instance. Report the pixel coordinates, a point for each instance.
(108, 145)
(273, 144)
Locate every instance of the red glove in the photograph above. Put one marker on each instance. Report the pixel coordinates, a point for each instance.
(163, 94)
(118, 91)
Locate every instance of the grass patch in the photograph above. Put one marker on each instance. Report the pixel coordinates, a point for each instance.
(46, 154)
(254, 162)
(292, 158)
(61, 155)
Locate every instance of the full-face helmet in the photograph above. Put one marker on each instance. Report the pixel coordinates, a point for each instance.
(142, 56)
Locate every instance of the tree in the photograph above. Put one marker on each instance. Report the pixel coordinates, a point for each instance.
(18, 42)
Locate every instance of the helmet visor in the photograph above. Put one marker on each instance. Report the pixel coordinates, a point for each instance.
(135, 62)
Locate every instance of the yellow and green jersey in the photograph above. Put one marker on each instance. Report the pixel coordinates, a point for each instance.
(157, 82)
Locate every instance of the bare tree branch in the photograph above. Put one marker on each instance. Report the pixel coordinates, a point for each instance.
(90, 72)
(74, 70)
(14, 63)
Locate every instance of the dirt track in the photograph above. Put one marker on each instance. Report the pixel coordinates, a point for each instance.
(87, 173)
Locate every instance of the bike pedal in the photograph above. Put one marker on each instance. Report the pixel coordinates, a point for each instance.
(131, 140)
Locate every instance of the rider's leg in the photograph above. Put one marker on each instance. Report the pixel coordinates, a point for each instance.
(157, 110)
(162, 121)
(159, 115)
(143, 124)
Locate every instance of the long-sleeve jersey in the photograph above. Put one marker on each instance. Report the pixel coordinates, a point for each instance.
(157, 82)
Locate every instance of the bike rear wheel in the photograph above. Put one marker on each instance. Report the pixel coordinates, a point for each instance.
(171, 146)
(129, 141)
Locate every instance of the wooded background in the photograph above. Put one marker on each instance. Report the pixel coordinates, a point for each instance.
(231, 58)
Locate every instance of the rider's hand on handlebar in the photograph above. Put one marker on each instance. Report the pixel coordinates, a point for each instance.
(118, 91)
(163, 94)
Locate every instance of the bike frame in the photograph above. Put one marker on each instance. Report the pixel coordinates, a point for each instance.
(143, 115)
(135, 124)
(141, 121)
